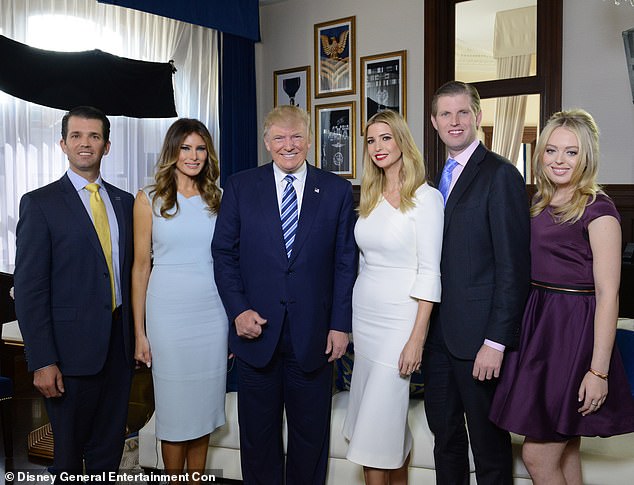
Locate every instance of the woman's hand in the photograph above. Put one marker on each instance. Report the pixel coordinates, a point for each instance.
(592, 393)
(142, 351)
(410, 358)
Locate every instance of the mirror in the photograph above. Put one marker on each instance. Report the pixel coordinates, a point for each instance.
(495, 39)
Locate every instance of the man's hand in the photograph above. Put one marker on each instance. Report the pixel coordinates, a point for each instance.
(49, 381)
(249, 324)
(487, 363)
(336, 345)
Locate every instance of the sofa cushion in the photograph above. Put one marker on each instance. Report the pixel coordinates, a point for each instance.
(228, 436)
(423, 441)
(625, 344)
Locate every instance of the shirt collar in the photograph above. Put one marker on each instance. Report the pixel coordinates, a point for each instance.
(463, 157)
(80, 182)
(300, 173)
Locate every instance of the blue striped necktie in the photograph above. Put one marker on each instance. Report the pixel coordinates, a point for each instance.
(289, 214)
(445, 178)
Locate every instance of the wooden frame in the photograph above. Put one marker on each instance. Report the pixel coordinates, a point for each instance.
(439, 28)
(628, 42)
(292, 86)
(334, 138)
(383, 84)
(334, 50)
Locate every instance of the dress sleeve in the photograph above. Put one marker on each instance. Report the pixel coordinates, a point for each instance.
(602, 206)
(428, 219)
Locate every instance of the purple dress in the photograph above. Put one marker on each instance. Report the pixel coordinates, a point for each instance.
(537, 392)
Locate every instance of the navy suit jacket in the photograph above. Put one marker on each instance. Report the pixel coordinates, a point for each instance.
(62, 285)
(485, 263)
(313, 289)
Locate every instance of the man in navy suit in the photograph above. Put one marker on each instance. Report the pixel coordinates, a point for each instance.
(76, 329)
(289, 304)
(485, 277)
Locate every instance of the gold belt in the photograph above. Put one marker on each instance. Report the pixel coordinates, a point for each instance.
(582, 290)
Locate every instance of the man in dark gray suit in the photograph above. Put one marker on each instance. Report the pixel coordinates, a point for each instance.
(485, 269)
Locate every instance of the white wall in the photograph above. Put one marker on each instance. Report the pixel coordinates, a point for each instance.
(287, 30)
(595, 78)
(594, 71)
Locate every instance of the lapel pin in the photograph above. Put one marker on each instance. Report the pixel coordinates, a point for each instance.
(316, 190)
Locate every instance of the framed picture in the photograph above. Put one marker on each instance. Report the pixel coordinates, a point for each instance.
(383, 84)
(292, 86)
(628, 41)
(334, 58)
(334, 138)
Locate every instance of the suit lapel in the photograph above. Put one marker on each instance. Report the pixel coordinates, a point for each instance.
(77, 208)
(270, 209)
(464, 181)
(310, 204)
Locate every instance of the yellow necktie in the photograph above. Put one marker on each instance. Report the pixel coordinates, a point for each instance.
(100, 218)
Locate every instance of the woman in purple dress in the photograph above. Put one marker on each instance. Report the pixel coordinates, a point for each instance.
(567, 379)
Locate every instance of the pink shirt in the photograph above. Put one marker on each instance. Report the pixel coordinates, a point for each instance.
(462, 158)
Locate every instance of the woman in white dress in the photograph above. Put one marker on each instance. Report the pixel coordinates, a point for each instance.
(399, 234)
(174, 297)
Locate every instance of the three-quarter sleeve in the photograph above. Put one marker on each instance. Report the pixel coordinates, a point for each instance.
(428, 220)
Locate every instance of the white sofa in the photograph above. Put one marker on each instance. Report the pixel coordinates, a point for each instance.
(605, 461)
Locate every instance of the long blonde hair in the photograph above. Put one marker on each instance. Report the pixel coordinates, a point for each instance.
(584, 175)
(412, 171)
(165, 188)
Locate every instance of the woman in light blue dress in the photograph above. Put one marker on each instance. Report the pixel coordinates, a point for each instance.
(180, 323)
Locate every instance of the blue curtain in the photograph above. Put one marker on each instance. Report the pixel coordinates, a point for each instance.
(238, 112)
(237, 17)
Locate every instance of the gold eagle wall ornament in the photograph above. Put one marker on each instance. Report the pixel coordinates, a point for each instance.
(333, 47)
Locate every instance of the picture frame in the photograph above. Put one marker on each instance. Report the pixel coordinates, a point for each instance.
(335, 138)
(628, 42)
(335, 60)
(383, 84)
(292, 87)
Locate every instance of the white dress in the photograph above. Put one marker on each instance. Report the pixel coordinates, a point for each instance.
(400, 263)
(186, 325)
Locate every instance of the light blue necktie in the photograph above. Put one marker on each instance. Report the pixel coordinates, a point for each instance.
(289, 214)
(445, 178)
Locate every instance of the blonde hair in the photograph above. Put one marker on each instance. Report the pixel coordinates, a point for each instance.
(165, 188)
(287, 114)
(412, 171)
(584, 175)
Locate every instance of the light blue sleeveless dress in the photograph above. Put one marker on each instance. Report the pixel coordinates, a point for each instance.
(186, 324)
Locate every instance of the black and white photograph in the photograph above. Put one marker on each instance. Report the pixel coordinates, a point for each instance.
(334, 135)
(383, 84)
(292, 87)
